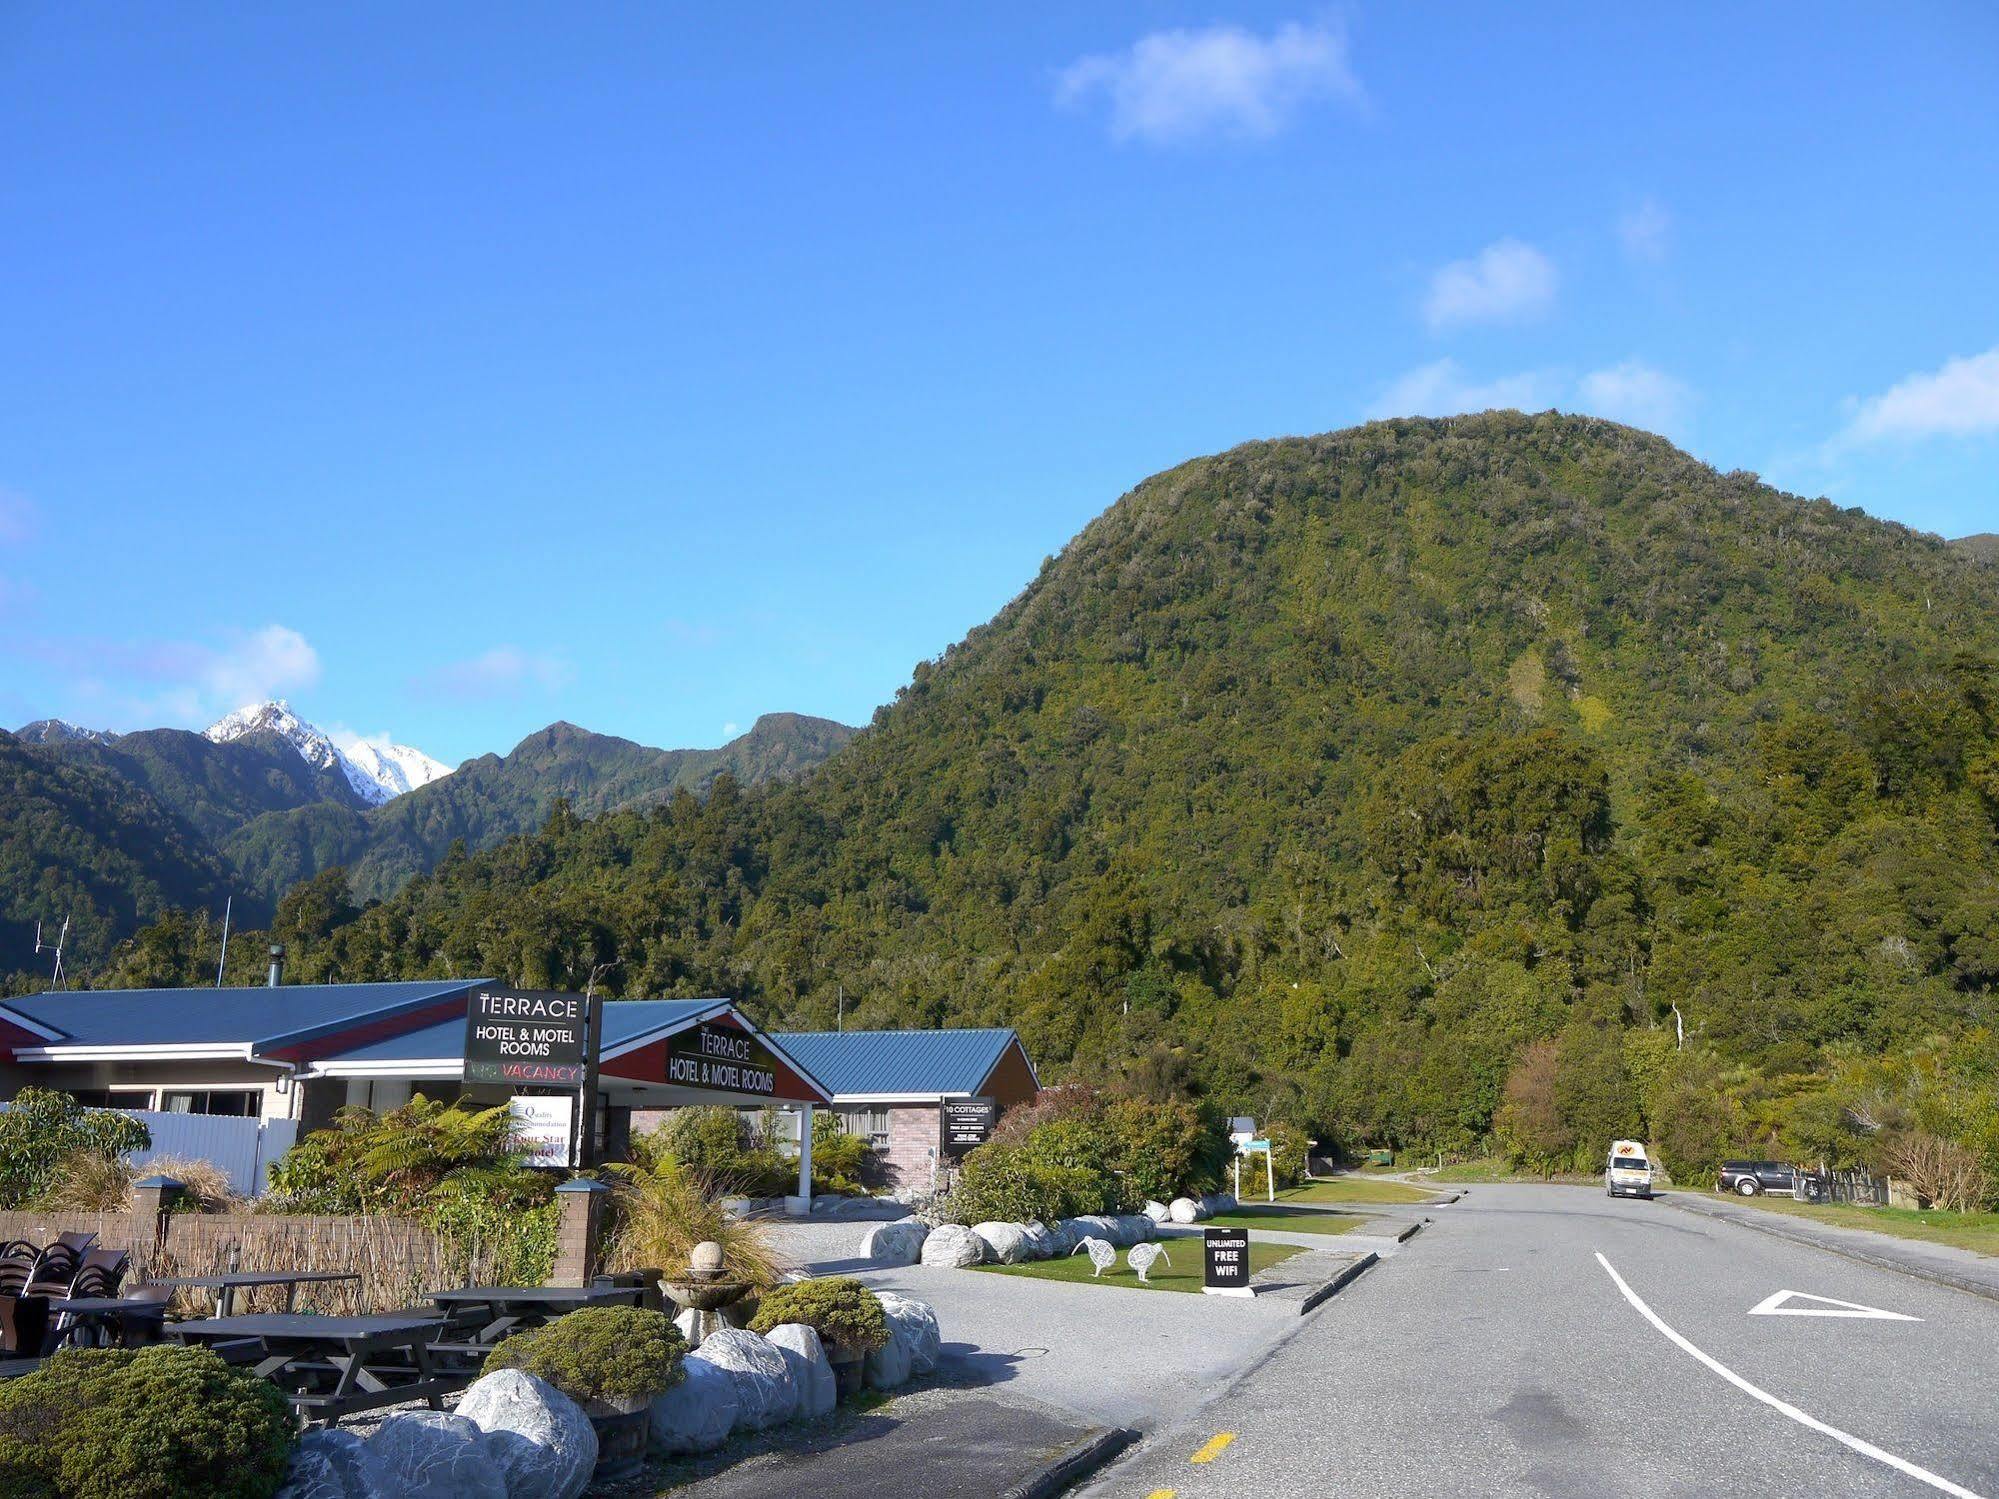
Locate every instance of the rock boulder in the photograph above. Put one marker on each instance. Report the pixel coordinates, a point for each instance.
(1006, 1243)
(897, 1243)
(537, 1436)
(953, 1245)
(1185, 1210)
(914, 1325)
(697, 1414)
(430, 1455)
(811, 1370)
(334, 1464)
(765, 1394)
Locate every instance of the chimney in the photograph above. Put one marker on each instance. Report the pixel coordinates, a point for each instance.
(277, 964)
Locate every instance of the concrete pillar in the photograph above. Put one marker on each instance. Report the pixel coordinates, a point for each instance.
(801, 1205)
(579, 1237)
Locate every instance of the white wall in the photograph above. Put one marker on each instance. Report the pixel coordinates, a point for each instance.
(244, 1148)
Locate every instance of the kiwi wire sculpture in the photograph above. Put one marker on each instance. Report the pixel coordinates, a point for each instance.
(1143, 1257)
(1102, 1255)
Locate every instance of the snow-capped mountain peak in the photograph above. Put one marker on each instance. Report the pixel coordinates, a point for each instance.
(394, 767)
(377, 771)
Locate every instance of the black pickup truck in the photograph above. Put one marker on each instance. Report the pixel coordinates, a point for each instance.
(1752, 1177)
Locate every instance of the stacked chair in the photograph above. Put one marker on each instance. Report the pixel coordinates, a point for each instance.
(30, 1278)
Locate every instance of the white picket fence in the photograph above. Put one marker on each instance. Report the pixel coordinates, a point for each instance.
(244, 1148)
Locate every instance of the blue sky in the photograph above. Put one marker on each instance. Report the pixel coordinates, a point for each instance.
(451, 370)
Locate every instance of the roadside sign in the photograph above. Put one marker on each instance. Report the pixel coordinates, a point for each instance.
(1225, 1262)
(968, 1124)
(521, 1038)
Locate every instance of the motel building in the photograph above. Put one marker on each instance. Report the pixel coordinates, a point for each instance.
(236, 1075)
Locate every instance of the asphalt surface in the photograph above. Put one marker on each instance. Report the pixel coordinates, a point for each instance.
(1498, 1355)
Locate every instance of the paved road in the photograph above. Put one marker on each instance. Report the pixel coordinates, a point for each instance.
(1499, 1355)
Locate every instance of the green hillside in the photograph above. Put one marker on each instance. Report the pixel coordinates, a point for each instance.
(1333, 776)
(495, 797)
(78, 841)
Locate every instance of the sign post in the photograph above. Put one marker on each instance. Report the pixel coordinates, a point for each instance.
(519, 1040)
(1225, 1262)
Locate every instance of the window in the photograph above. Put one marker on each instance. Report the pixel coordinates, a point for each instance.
(870, 1125)
(234, 1103)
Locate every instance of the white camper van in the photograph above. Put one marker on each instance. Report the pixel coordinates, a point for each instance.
(1627, 1173)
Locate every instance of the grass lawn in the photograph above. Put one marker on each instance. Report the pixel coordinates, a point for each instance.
(1184, 1274)
(1974, 1231)
(1294, 1220)
(1340, 1189)
(1491, 1170)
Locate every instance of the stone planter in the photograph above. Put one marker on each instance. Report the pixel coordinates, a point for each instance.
(850, 1369)
(622, 1429)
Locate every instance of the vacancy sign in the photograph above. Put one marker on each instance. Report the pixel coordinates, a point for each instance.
(1789, 1304)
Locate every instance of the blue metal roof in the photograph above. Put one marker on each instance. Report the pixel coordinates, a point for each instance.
(901, 1064)
(624, 1019)
(220, 1017)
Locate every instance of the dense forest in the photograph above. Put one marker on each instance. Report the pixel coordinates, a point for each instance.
(1434, 783)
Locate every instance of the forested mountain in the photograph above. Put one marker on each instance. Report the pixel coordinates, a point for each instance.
(78, 841)
(125, 826)
(1354, 777)
(1984, 546)
(495, 796)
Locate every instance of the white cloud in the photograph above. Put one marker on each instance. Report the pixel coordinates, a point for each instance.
(1638, 394)
(1441, 389)
(1172, 85)
(1959, 400)
(730, 730)
(266, 663)
(503, 671)
(1506, 282)
(1643, 230)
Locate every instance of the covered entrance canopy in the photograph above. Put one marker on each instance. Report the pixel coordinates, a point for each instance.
(648, 1053)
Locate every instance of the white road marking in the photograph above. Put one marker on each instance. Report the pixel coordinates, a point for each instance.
(1778, 1305)
(1784, 1407)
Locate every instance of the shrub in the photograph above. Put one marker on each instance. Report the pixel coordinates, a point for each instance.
(661, 1210)
(153, 1423)
(393, 1162)
(204, 1185)
(514, 1245)
(845, 1313)
(600, 1355)
(40, 1128)
(725, 1149)
(85, 1182)
(1289, 1148)
(839, 1160)
(1008, 1183)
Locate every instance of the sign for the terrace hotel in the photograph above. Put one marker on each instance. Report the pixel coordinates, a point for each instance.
(515, 1037)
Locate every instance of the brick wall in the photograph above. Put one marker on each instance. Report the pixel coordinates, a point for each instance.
(912, 1135)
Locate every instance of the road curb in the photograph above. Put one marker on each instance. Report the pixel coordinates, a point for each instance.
(1077, 1461)
(1778, 1229)
(1339, 1282)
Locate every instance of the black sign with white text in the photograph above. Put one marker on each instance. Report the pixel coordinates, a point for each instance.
(520, 1037)
(723, 1058)
(1226, 1259)
(968, 1124)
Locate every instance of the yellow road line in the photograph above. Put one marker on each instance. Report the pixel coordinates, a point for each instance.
(1160, 1494)
(1213, 1447)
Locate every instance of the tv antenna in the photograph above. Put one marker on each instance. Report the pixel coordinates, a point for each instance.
(54, 947)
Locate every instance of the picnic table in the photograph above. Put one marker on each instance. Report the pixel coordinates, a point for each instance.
(102, 1318)
(486, 1314)
(331, 1367)
(226, 1286)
